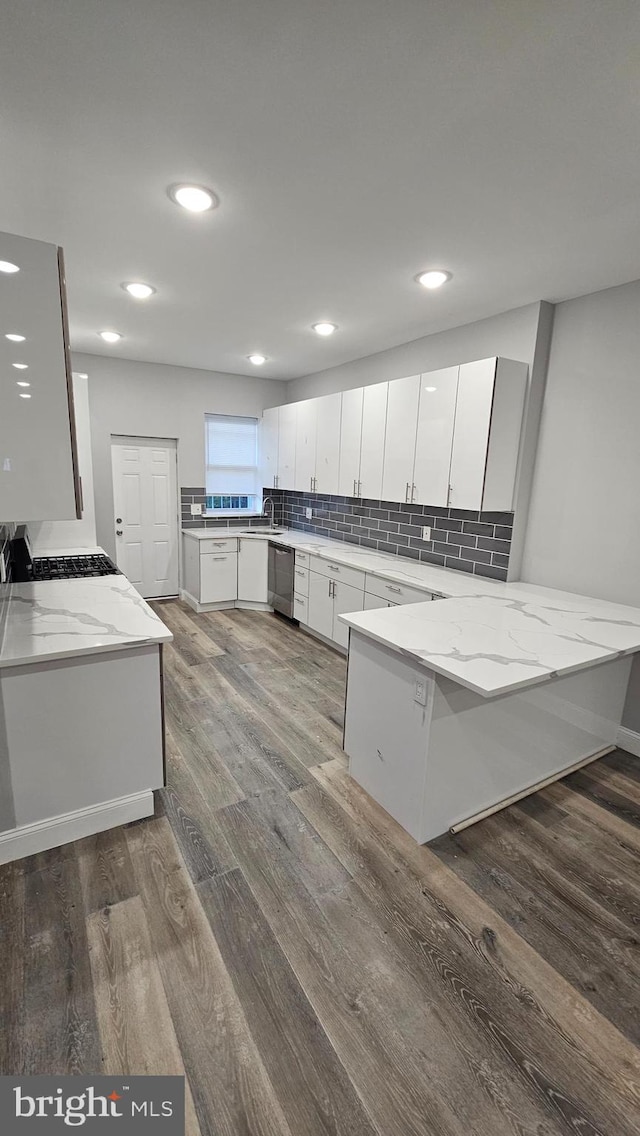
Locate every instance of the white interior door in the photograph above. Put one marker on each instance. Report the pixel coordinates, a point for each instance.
(145, 499)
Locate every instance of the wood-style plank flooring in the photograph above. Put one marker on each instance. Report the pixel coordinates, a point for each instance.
(275, 936)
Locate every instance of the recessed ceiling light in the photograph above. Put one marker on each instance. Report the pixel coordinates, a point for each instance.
(23, 395)
(195, 198)
(20, 366)
(257, 359)
(14, 337)
(139, 291)
(7, 266)
(433, 278)
(22, 384)
(324, 328)
(110, 336)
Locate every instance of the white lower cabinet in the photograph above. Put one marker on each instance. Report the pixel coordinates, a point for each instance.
(253, 566)
(329, 598)
(218, 577)
(345, 598)
(371, 602)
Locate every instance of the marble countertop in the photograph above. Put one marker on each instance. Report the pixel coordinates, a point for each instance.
(490, 636)
(495, 645)
(58, 619)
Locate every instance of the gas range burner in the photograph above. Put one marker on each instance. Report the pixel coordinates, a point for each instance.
(72, 567)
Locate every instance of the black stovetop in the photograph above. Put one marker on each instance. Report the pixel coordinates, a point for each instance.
(72, 567)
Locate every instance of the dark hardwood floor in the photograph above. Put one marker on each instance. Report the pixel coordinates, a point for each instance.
(277, 937)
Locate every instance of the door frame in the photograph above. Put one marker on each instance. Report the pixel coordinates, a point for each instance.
(136, 440)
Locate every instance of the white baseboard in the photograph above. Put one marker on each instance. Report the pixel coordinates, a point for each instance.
(28, 839)
(629, 740)
(224, 605)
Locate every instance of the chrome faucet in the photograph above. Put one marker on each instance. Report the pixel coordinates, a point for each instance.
(265, 512)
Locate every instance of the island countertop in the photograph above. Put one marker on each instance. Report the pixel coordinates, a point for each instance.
(58, 619)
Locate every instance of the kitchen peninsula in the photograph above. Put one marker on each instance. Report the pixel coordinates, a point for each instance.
(458, 707)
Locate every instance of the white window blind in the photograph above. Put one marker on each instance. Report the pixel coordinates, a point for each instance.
(231, 454)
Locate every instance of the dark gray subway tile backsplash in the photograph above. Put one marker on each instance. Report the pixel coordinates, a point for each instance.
(460, 538)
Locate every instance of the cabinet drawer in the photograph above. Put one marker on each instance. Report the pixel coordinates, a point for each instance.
(218, 544)
(218, 577)
(352, 576)
(302, 559)
(371, 602)
(301, 607)
(397, 593)
(301, 580)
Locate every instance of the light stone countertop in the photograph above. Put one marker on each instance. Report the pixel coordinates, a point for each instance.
(58, 619)
(489, 636)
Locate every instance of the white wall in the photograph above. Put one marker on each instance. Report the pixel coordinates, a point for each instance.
(159, 401)
(584, 520)
(512, 334)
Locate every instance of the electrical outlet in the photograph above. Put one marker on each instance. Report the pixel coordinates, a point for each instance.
(426, 533)
(308, 513)
(420, 695)
(196, 510)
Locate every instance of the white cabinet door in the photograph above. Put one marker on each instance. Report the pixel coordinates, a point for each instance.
(218, 577)
(269, 448)
(306, 430)
(345, 598)
(350, 442)
(320, 604)
(374, 417)
(253, 561)
(400, 438)
(287, 446)
(328, 413)
(434, 438)
(471, 433)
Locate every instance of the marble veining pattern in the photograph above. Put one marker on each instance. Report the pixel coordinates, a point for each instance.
(62, 618)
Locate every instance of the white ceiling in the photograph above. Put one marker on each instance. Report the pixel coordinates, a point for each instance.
(352, 144)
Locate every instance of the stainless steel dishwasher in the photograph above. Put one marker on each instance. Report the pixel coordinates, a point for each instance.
(281, 561)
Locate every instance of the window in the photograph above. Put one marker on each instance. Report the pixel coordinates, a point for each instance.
(231, 456)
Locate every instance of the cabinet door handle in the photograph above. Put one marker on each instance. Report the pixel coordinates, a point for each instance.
(354, 488)
(406, 492)
(413, 493)
(333, 567)
(449, 492)
(391, 588)
(219, 558)
(359, 493)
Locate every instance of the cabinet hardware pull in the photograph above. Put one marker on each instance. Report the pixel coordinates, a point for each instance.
(359, 493)
(413, 493)
(391, 588)
(354, 488)
(406, 493)
(333, 567)
(219, 558)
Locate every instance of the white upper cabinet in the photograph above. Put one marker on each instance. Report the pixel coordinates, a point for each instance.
(39, 476)
(269, 447)
(329, 413)
(434, 437)
(350, 442)
(374, 419)
(306, 433)
(486, 435)
(445, 438)
(287, 446)
(400, 438)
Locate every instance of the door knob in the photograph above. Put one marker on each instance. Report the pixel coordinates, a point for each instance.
(118, 532)
(118, 520)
